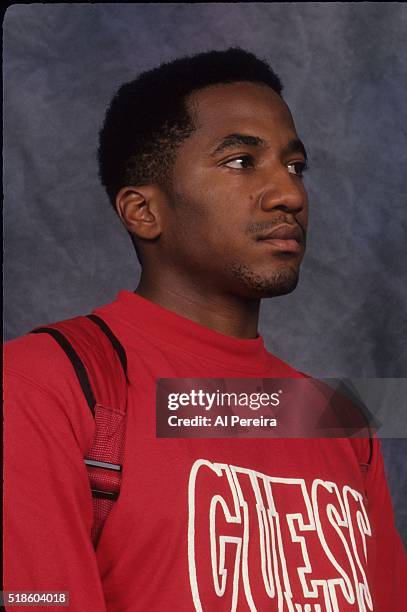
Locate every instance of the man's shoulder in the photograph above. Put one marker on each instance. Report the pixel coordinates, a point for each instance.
(41, 384)
(56, 355)
(32, 348)
(282, 369)
(38, 350)
(36, 357)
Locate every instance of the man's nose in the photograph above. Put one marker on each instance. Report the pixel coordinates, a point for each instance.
(283, 194)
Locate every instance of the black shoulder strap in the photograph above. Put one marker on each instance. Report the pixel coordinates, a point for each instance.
(75, 360)
(105, 496)
(121, 353)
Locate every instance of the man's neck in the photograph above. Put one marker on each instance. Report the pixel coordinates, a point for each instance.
(228, 315)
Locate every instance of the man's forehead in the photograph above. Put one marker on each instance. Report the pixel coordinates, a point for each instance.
(250, 112)
(241, 107)
(242, 98)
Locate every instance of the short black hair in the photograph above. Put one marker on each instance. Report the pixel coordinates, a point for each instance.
(148, 118)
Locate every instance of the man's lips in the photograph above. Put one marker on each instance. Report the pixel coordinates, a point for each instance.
(285, 237)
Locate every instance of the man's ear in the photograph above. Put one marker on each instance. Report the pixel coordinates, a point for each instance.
(139, 209)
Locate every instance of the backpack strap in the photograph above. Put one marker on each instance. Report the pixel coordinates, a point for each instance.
(100, 365)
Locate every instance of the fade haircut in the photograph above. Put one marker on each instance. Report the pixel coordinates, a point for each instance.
(148, 117)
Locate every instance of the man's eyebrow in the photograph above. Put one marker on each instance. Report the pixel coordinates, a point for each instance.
(233, 140)
(294, 146)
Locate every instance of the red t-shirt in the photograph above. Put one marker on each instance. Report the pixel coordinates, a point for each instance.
(200, 524)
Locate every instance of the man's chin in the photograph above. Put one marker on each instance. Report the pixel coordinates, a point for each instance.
(267, 285)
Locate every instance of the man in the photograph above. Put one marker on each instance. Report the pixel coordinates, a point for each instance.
(202, 161)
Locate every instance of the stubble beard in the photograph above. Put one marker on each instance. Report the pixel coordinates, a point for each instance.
(272, 284)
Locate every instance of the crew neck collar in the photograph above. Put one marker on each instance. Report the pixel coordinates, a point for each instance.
(169, 327)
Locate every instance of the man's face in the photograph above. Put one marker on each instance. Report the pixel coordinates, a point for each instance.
(239, 215)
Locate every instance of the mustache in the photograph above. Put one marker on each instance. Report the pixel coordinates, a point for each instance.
(256, 228)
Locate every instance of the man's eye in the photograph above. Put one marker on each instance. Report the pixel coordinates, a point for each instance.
(240, 163)
(299, 167)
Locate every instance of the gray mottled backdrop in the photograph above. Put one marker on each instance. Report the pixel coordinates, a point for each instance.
(343, 66)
